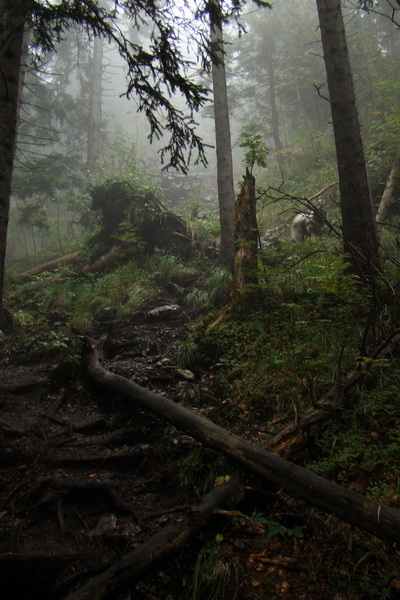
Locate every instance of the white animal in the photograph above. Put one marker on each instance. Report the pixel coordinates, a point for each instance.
(308, 225)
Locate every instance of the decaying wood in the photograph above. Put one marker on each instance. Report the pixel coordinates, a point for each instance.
(120, 576)
(103, 262)
(243, 295)
(153, 223)
(349, 506)
(246, 247)
(387, 196)
(31, 287)
(295, 436)
(49, 266)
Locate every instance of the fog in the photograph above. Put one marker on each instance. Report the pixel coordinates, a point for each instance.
(276, 88)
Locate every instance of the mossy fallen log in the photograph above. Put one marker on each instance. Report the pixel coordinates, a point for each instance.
(51, 265)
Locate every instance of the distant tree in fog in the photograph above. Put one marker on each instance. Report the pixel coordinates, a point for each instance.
(94, 122)
(154, 73)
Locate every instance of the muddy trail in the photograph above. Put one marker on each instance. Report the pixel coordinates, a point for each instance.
(86, 478)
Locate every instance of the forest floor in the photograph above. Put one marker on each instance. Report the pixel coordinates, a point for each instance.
(85, 478)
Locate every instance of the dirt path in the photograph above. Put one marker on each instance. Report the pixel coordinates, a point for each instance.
(83, 478)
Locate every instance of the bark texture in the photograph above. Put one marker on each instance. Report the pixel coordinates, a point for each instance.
(246, 237)
(67, 259)
(359, 232)
(274, 109)
(387, 196)
(12, 21)
(349, 506)
(121, 574)
(244, 295)
(226, 192)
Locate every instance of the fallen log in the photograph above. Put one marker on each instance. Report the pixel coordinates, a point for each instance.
(121, 574)
(351, 507)
(103, 262)
(31, 287)
(49, 266)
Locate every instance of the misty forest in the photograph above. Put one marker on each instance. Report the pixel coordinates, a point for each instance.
(199, 299)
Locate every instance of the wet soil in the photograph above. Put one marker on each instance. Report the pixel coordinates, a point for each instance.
(85, 478)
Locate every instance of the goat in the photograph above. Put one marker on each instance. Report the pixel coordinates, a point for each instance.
(308, 225)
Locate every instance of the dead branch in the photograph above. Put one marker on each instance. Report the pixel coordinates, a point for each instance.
(349, 506)
(166, 542)
(295, 436)
(324, 189)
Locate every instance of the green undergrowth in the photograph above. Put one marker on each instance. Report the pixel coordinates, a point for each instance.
(313, 326)
(44, 317)
(286, 354)
(361, 446)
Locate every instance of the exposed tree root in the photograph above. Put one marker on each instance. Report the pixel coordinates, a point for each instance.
(15, 388)
(50, 492)
(120, 576)
(135, 457)
(349, 506)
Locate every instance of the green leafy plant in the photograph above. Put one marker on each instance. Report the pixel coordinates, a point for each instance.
(127, 234)
(214, 291)
(257, 151)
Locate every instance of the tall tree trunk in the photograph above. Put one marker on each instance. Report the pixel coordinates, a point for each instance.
(314, 142)
(274, 111)
(11, 47)
(226, 192)
(93, 150)
(359, 232)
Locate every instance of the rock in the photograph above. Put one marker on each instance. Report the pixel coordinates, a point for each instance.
(162, 313)
(185, 373)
